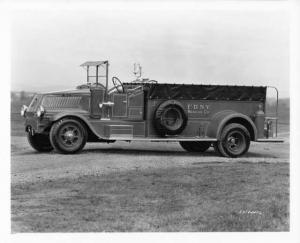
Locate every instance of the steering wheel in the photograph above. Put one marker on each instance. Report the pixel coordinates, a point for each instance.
(118, 85)
(152, 81)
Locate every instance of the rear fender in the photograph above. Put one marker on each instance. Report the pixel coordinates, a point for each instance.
(221, 119)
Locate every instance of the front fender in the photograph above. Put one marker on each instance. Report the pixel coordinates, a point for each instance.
(220, 119)
(80, 117)
(58, 116)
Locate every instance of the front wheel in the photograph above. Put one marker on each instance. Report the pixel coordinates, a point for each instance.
(39, 142)
(68, 136)
(234, 142)
(195, 146)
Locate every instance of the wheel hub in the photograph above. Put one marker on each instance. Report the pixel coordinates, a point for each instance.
(69, 135)
(233, 141)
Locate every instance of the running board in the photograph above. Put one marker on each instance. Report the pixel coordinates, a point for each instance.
(167, 139)
(260, 140)
(270, 140)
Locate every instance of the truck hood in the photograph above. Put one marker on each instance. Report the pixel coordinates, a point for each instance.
(70, 91)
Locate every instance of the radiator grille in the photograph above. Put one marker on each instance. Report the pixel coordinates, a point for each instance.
(61, 102)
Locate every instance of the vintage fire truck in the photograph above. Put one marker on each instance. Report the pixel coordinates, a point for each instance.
(197, 116)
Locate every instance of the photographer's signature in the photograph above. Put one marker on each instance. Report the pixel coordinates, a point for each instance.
(251, 212)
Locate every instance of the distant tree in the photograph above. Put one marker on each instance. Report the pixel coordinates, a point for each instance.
(13, 96)
(22, 95)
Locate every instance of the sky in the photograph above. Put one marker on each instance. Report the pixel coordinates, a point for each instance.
(185, 44)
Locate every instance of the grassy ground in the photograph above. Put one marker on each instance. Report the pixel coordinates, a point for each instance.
(17, 125)
(205, 197)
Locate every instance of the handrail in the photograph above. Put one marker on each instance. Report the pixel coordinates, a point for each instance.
(276, 121)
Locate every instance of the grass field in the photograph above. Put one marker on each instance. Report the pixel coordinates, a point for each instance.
(206, 197)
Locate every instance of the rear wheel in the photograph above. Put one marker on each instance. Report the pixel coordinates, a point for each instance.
(234, 142)
(68, 136)
(39, 142)
(195, 146)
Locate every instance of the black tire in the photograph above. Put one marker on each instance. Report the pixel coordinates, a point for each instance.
(216, 149)
(39, 142)
(170, 118)
(219, 149)
(195, 146)
(68, 136)
(234, 142)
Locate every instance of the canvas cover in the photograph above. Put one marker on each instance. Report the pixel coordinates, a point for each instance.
(206, 92)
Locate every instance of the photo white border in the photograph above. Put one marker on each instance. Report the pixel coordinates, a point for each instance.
(6, 9)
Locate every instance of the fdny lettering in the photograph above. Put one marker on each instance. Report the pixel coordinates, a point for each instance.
(201, 109)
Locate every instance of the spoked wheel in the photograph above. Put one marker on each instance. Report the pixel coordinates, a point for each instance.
(235, 141)
(68, 136)
(40, 142)
(195, 146)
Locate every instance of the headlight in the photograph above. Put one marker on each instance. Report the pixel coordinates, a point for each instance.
(23, 110)
(40, 111)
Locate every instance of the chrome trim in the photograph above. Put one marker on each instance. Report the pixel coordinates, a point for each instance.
(109, 103)
(40, 111)
(168, 139)
(24, 110)
(277, 98)
(270, 140)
